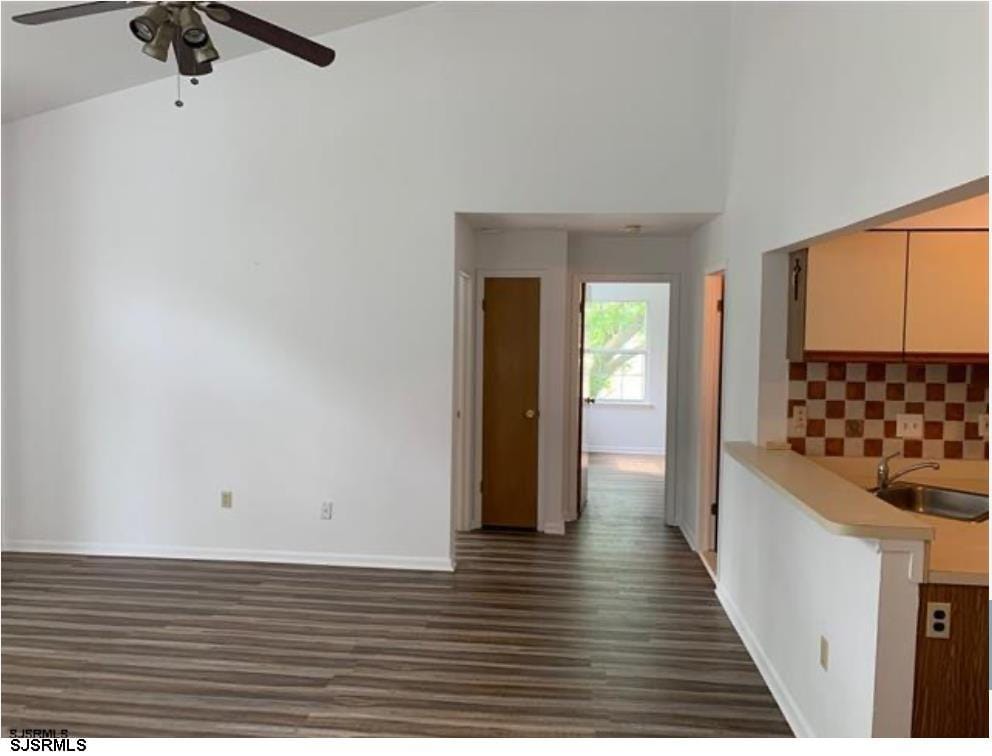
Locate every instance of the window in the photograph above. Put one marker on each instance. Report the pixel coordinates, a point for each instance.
(616, 357)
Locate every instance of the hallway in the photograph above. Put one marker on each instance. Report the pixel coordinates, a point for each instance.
(612, 629)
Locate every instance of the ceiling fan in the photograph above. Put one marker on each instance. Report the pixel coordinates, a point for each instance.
(179, 25)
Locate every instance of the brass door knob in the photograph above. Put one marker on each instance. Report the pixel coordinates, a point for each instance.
(530, 414)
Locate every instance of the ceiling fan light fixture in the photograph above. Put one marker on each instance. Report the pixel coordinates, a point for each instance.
(146, 26)
(180, 25)
(159, 46)
(206, 53)
(193, 31)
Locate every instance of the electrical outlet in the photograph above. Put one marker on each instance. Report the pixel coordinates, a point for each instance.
(327, 510)
(938, 619)
(226, 499)
(797, 423)
(909, 426)
(824, 653)
(983, 426)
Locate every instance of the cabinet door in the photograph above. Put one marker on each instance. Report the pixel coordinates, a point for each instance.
(855, 294)
(947, 293)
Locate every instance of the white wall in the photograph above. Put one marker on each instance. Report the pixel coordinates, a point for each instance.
(786, 582)
(639, 427)
(255, 292)
(187, 293)
(838, 113)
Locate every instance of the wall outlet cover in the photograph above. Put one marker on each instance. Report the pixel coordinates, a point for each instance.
(909, 426)
(938, 619)
(327, 510)
(226, 499)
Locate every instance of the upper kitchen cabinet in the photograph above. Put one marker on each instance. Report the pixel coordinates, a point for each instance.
(947, 294)
(855, 294)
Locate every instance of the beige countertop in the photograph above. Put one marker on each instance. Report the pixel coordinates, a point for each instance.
(959, 551)
(833, 491)
(959, 474)
(837, 504)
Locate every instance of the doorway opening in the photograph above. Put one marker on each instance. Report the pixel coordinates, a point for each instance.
(624, 353)
(711, 393)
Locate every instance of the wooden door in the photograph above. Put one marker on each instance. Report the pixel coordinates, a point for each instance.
(855, 295)
(583, 456)
(947, 293)
(510, 385)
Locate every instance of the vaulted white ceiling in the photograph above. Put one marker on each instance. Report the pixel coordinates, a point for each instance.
(52, 65)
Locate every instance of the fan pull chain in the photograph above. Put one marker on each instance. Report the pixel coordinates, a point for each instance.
(179, 91)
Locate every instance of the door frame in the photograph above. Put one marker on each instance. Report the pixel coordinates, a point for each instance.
(712, 360)
(474, 517)
(463, 398)
(573, 442)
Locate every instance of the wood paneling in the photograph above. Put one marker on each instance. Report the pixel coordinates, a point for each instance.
(950, 698)
(612, 629)
(510, 389)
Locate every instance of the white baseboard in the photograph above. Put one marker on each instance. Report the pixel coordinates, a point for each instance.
(654, 451)
(790, 709)
(690, 537)
(554, 528)
(433, 564)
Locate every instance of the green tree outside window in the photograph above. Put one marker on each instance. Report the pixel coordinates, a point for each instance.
(616, 350)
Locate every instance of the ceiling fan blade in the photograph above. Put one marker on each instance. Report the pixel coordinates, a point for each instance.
(186, 59)
(271, 34)
(70, 11)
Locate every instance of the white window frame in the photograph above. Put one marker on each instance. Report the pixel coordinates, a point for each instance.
(646, 352)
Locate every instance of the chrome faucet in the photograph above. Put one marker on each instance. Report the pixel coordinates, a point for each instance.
(884, 479)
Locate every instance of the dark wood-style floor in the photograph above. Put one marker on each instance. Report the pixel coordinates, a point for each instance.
(612, 629)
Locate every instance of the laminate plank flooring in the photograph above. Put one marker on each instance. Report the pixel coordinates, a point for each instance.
(612, 629)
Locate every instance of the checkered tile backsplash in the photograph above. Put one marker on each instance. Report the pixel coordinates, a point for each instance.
(851, 408)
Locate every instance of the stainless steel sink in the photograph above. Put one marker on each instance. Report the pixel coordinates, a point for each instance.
(939, 502)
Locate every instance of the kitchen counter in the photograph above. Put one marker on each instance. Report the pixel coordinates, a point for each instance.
(959, 551)
(839, 506)
(959, 474)
(833, 492)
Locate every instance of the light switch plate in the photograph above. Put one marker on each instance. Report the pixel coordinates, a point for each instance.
(797, 423)
(909, 426)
